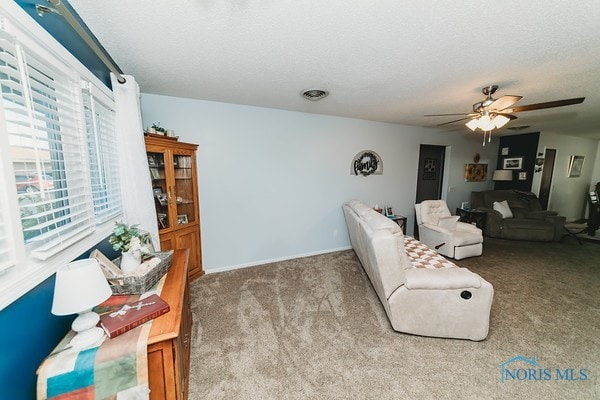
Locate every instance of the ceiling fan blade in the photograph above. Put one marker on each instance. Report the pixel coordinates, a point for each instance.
(548, 104)
(504, 102)
(447, 115)
(456, 120)
(509, 116)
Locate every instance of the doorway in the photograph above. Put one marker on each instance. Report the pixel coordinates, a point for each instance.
(430, 175)
(546, 181)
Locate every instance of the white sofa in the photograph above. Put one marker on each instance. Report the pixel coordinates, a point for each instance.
(422, 293)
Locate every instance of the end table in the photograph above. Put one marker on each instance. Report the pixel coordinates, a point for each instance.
(473, 217)
(400, 220)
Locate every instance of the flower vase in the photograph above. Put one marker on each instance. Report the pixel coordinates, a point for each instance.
(130, 261)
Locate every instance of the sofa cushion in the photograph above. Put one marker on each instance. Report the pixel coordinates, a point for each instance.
(503, 208)
(448, 222)
(465, 238)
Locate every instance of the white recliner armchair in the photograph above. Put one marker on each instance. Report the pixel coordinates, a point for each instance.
(441, 231)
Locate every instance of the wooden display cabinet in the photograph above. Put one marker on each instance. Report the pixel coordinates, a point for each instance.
(175, 186)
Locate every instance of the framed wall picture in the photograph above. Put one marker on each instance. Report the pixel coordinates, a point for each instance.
(430, 169)
(513, 163)
(505, 151)
(575, 166)
(475, 172)
(523, 176)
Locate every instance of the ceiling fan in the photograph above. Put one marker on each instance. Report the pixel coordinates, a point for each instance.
(493, 113)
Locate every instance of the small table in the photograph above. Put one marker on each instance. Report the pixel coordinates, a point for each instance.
(473, 217)
(400, 220)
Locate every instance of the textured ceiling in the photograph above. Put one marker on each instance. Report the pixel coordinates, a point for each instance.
(390, 61)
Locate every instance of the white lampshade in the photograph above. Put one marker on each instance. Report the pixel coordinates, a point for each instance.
(500, 120)
(502, 175)
(80, 286)
(485, 123)
(473, 124)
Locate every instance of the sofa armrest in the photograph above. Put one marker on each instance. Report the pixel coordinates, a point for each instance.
(493, 221)
(559, 223)
(438, 229)
(441, 278)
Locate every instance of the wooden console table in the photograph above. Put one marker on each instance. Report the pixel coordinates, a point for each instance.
(169, 339)
(171, 335)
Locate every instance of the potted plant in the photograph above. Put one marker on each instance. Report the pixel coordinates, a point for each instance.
(159, 128)
(133, 243)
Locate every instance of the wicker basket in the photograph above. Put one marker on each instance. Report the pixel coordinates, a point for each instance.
(141, 284)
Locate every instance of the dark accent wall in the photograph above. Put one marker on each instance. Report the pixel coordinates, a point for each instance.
(65, 35)
(525, 146)
(29, 332)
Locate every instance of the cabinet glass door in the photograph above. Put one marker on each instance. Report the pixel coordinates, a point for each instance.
(184, 189)
(160, 189)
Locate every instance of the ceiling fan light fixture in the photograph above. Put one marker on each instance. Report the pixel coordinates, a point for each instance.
(500, 120)
(485, 123)
(473, 124)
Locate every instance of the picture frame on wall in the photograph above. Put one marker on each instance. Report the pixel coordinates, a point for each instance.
(513, 163)
(429, 169)
(575, 166)
(523, 176)
(475, 172)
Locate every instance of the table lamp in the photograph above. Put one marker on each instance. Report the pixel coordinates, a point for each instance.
(502, 175)
(80, 286)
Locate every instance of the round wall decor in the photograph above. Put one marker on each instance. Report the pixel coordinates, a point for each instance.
(365, 163)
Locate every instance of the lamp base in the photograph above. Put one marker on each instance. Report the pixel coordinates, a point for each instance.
(89, 338)
(88, 335)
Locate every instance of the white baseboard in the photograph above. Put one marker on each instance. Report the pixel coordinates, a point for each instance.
(269, 261)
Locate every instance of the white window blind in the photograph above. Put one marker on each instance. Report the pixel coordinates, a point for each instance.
(7, 258)
(103, 156)
(48, 151)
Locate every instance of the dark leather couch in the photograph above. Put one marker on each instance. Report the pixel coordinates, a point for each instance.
(529, 221)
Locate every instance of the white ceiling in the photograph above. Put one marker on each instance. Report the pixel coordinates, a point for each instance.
(390, 61)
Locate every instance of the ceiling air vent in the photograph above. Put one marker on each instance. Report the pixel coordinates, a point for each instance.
(315, 94)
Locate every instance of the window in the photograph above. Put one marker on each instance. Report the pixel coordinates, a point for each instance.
(60, 168)
(102, 153)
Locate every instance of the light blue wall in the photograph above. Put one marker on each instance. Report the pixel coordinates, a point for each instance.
(568, 196)
(272, 182)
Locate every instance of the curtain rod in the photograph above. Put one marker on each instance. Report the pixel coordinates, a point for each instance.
(83, 34)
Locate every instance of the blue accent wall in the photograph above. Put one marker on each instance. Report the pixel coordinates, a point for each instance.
(58, 27)
(29, 332)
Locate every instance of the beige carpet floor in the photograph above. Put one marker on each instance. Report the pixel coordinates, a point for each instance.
(313, 328)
